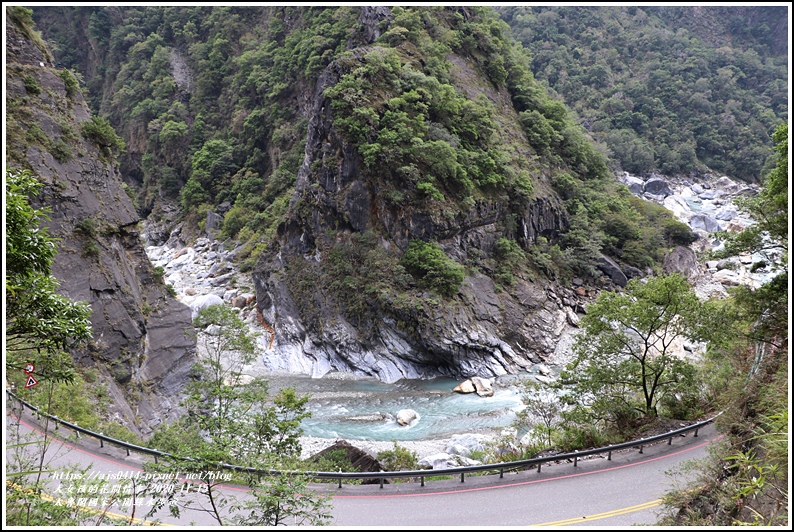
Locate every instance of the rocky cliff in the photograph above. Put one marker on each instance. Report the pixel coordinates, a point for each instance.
(407, 198)
(143, 343)
(341, 204)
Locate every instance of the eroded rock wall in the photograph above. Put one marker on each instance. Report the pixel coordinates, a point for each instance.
(482, 330)
(143, 344)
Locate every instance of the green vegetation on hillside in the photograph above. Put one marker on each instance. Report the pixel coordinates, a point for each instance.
(206, 99)
(209, 106)
(659, 96)
(39, 322)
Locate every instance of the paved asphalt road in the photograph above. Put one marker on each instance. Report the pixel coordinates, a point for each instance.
(622, 492)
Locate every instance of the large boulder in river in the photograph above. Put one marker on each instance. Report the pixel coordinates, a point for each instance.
(704, 222)
(658, 186)
(465, 387)
(483, 387)
(681, 260)
(465, 444)
(204, 301)
(635, 184)
(406, 416)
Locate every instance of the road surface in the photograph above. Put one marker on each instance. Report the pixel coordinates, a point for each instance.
(622, 492)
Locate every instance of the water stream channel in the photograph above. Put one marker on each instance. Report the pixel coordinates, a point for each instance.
(365, 409)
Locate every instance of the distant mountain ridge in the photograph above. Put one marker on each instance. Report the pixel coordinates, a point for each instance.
(673, 89)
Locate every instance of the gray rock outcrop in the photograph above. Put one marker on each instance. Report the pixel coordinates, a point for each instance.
(465, 387)
(612, 270)
(681, 260)
(482, 387)
(704, 222)
(480, 330)
(142, 336)
(658, 186)
(465, 444)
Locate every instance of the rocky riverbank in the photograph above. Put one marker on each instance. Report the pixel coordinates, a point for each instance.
(708, 206)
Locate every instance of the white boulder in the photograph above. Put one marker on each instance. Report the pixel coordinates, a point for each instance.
(406, 416)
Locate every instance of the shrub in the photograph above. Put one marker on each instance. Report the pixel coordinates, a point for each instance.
(678, 233)
(102, 133)
(193, 194)
(509, 258)
(61, 151)
(30, 85)
(428, 263)
(69, 81)
(399, 459)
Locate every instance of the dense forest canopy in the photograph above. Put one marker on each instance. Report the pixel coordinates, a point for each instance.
(669, 89)
(212, 104)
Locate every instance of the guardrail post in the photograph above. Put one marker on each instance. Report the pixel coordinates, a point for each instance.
(461, 477)
(539, 464)
(640, 449)
(101, 441)
(381, 482)
(155, 459)
(128, 450)
(696, 432)
(609, 456)
(340, 479)
(502, 473)
(575, 460)
(670, 441)
(422, 481)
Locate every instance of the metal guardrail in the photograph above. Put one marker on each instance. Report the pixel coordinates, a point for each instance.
(382, 475)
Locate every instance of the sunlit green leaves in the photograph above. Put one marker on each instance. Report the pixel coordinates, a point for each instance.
(36, 316)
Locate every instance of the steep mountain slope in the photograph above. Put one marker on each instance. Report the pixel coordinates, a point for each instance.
(681, 90)
(143, 344)
(409, 200)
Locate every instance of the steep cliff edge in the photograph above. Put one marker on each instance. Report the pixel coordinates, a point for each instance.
(143, 344)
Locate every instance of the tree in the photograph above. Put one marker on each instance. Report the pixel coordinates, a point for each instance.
(227, 421)
(624, 361)
(37, 318)
(40, 326)
(542, 413)
(217, 399)
(769, 208)
(431, 266)
(747, 481)
(766, 306)
(102, 133)
(284, 499)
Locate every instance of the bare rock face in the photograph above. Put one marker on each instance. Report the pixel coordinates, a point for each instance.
(142, 336)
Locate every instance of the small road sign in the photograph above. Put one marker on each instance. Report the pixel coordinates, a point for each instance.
(31, 382)
(29, 368)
